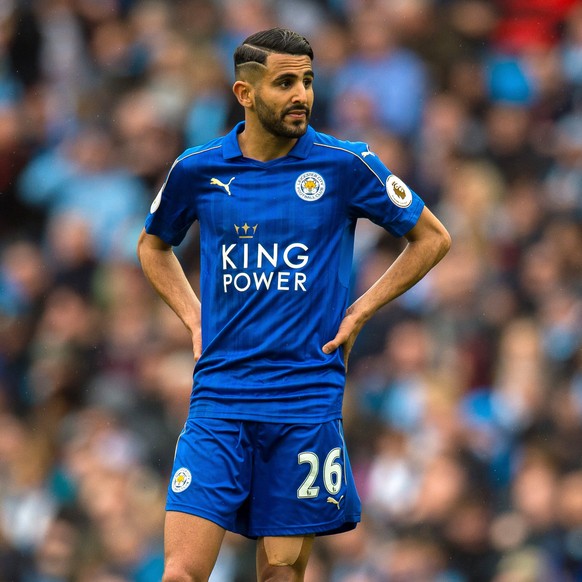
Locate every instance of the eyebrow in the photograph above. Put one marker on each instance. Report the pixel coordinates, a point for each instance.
(283, 76)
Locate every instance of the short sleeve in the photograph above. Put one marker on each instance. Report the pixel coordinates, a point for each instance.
(382, 197)
(174, 210)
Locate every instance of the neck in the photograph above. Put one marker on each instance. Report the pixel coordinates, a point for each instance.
(258, 144)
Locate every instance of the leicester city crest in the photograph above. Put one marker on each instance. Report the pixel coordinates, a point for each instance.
(310, 186)
(181, 481)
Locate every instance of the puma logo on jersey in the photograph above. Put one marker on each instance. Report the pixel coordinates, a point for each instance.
(368, 153)
(335, 501)
(217, 182)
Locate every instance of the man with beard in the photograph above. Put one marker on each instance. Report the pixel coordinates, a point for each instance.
(262, 452)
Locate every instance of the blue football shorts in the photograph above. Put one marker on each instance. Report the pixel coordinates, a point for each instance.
(265, 479)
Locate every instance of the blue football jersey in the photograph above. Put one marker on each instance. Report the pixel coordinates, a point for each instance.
(276, 243)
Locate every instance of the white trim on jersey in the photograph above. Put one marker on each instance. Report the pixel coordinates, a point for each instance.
(324, 145)
(178, 160)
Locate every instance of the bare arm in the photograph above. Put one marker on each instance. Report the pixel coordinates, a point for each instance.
(164, 272)
(428, 243)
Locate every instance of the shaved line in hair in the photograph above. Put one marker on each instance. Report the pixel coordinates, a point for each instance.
(254, 67)
(255, 50)
(261, 49)
(250, 71)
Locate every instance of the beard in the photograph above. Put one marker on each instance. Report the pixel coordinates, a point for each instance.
(275, 122)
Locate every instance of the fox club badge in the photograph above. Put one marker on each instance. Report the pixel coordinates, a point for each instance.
(181, 481)
(310, 186)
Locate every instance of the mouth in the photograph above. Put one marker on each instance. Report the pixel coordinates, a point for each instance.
(297, 113)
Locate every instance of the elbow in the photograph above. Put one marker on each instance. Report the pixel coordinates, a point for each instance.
(140, 245)
(149, 245)
(442, 244)
(446, 242)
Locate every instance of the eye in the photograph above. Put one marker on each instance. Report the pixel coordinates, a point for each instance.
(307, 83)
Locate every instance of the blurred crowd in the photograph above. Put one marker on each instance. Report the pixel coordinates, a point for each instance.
(463, 408)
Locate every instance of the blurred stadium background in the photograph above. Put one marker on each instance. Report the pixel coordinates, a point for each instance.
(463, 409)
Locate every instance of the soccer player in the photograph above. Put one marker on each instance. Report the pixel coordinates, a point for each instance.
(262, 452)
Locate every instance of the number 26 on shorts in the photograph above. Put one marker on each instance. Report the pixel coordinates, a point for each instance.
(332, 473)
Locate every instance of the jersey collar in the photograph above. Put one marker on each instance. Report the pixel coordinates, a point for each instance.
(231, 149)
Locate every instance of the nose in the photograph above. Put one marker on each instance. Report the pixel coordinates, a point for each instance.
(300, 94)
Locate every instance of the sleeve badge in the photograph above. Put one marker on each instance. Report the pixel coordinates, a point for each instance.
(398, 192)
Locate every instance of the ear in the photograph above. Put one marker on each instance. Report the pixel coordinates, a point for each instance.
(243, 91)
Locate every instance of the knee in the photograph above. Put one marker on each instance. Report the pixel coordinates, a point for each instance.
(282, 565)
(274, 560)
(179, 574)
(175, 575)
(283, 558)
(283, 551)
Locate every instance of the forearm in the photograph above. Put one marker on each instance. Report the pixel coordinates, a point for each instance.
(411, 266)
(428, 242)
(165, 274)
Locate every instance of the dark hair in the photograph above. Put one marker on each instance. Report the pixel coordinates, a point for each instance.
(257, 47)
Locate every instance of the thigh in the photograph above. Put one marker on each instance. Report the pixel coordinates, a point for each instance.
(302, 481)
(212, 470)
(191, 546)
